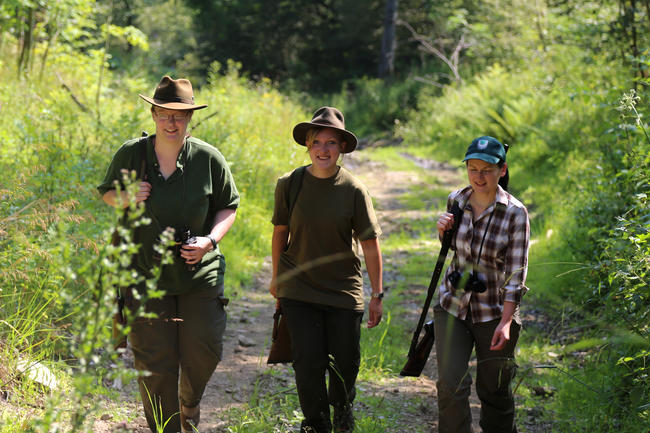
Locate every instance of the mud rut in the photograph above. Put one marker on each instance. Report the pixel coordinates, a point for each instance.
(246, 340)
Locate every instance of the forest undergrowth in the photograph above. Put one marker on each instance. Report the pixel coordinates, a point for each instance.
(579, 160)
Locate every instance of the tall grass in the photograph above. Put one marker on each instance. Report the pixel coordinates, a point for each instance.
(583, 173)
(57, 274)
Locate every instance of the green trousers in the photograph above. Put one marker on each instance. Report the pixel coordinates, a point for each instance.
(177, 353)
(455, 340)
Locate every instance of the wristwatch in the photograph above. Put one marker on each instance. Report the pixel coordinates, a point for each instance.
(379, 295)
(214, 243)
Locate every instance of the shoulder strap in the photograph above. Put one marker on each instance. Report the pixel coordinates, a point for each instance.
(295, 184)
(291, 193)
(141, 153)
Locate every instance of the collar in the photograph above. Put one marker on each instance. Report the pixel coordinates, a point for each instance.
(463, 196)
(181, 159)
(502, 196)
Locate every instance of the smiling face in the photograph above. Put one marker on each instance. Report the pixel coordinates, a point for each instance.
(483, 176)
(324, 150)
(171, 125)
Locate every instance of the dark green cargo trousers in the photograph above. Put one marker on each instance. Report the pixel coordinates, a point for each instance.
(180, 350)
(455, 340)
(324, 339)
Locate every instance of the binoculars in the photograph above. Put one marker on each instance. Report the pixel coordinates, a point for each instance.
(182, 237)
(473, 283)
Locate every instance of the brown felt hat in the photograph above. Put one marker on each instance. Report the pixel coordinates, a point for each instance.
(174, 95)
(327, 117)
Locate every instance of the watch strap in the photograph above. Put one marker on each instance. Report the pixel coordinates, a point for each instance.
(213, 241)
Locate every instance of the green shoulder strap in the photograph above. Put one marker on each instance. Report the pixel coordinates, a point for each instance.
(291, 193)
(142, 156)
(295, 184)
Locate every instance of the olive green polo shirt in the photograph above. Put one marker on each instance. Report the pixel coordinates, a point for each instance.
(188, 199)
(321, 264)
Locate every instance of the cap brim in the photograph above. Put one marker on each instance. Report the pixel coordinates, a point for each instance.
(483, 157)
(300, 135)
(171, 105)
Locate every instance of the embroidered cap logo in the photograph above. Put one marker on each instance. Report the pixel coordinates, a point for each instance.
(482, 144)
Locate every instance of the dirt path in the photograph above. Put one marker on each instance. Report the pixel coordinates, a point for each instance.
(386, 187)
(246, 341)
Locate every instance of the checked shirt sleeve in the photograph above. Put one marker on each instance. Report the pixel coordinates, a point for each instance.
(516, 263)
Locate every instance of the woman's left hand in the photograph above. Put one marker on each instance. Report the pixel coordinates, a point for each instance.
(375, 310)
(501, 336)
(193, 253)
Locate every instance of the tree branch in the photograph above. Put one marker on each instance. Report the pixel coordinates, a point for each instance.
(425, 81)
(72, 95)
(426, 45)
(204, 119)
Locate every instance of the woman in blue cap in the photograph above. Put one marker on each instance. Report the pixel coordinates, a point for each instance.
(480, 294)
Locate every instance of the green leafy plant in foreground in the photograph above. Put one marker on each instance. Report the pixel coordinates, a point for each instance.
(88, 294)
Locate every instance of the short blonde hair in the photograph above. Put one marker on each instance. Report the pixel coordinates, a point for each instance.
(314, 131)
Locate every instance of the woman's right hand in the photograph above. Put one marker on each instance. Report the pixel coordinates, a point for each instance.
(144, 191)
(445, 222)
(111, 197)
(273, 287)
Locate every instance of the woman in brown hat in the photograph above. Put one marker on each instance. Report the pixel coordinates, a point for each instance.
(317, 272)
(184, 184)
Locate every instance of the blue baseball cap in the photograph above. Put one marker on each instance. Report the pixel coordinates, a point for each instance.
(486, 148)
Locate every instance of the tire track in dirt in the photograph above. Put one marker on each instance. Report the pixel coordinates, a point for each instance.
(247, 339)
(386, 187)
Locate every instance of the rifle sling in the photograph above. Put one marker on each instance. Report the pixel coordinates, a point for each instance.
(446, 243)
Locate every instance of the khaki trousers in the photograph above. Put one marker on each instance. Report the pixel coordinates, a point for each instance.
(455, 340)
(180, 350)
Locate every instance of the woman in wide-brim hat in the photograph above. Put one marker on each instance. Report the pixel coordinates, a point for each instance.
(184, 184)
(317, 271)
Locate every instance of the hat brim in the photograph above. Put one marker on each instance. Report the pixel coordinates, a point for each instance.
(300, 135)
(483, 157)
(171, 105)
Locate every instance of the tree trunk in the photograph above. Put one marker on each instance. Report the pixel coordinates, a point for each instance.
(107, 44)
(52, 35)
(388, 43)
(23, 60)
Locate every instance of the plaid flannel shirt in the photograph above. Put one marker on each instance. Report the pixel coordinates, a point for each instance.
(504, 259)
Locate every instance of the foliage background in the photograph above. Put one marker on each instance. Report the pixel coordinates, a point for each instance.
(551, 78)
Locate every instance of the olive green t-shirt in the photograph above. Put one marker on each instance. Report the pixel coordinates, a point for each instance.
(188, 199)
(321, 264)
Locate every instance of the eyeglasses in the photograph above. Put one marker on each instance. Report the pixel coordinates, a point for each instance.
(174, 117)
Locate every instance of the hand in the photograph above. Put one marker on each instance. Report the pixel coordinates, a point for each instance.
(273, 287)
(501, 336)
(193, 253)
(445, 222)
(375, 310)
(144, 191)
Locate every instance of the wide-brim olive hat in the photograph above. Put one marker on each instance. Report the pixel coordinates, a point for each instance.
(327, 117)
(487, 149)
(173, 95)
